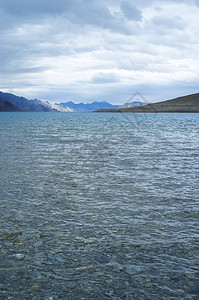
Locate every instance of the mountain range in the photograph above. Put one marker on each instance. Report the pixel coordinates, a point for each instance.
(16, 103)
(87, 107)
(10, 102)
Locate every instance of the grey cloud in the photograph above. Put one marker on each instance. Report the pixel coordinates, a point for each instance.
(166, 22)
(104, 78)
(98, 15)
(159, 2)
(130, 11)
(80, 12)
(30, 70)
(24, 7)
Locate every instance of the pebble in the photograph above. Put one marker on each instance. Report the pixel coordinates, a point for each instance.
(60, 259)
(48, 262)
(19, 256)
(190, 274)
(89, 241)
(102, 259)
(38, 244)
(2, 287)
(7, 244)
(19, 244)
(80, 269)
(35, 287)
(133, 269)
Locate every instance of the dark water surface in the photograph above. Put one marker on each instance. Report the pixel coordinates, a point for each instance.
(99, 206)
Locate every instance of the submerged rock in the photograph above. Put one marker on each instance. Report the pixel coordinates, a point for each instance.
(19, 256)
(38, 244)
(133, 269)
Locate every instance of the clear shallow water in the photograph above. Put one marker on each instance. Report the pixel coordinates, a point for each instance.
(99, 206)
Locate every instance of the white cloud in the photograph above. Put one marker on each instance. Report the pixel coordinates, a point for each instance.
(83, 50)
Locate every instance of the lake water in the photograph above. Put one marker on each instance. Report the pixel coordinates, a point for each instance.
(99, 206)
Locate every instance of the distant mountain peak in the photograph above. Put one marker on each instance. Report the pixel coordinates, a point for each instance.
(26, 104)
(88, 107)
(133, 104)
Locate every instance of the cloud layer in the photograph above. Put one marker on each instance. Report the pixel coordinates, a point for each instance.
(84, 50)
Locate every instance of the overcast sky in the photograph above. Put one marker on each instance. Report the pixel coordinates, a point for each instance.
(103, 50)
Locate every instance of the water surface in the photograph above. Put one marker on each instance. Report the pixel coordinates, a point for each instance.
(99, 206)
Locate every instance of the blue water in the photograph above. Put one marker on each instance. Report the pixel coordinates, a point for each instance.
(99, 206)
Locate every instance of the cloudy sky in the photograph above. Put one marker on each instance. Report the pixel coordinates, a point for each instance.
(86, 50)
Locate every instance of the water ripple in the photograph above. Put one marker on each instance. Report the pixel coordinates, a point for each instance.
(99, 206)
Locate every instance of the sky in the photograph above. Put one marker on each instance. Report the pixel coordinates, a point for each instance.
(99, 50)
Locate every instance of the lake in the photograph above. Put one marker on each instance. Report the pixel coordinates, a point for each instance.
(99, 206)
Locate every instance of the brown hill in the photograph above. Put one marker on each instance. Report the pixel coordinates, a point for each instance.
(185, 104)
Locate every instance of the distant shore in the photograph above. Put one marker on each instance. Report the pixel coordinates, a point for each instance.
(186, 104)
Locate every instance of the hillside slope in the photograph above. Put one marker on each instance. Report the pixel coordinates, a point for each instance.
(25, 104)
(7, 106)
(186, 104)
